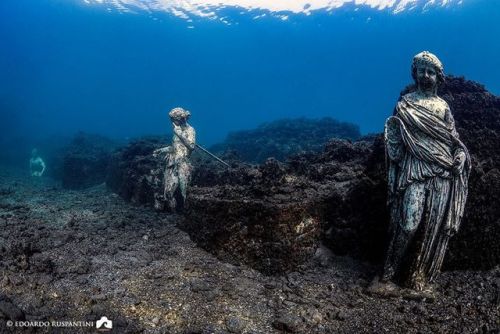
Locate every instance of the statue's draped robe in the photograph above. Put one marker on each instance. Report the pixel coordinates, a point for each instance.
(426, 198)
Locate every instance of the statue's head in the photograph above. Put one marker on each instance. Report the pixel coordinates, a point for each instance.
(427, 71)
(179, 115)
(34, 153)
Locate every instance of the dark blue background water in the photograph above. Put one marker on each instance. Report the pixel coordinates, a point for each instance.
(66, 66)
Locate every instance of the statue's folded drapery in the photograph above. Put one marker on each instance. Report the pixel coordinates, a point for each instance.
(426, 196)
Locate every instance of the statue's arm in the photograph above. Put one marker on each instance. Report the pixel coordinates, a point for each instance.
(191, 137)
(393, 141)
(459, 154)
(163, 150)
(188, 137)
(448, 117)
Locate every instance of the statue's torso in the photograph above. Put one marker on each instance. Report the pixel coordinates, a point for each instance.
(414, 169)
(37, 162)
(435, 104)
(180, 149)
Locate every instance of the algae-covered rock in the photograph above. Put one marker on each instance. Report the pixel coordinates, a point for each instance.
(283, 138)
(134, 173)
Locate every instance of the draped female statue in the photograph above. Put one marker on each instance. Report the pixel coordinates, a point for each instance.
(428, 171)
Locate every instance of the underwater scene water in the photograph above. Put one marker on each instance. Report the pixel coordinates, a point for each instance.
(116, 67)
(249, 166)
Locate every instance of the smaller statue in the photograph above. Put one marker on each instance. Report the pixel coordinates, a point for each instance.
(37, 165)
(178, 169)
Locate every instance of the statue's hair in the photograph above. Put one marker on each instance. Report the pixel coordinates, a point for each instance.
(425, 57)
(179, 114)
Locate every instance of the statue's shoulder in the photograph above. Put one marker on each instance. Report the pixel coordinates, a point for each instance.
(412, 96)
(409, 97)
(435, 102)
(404, 99)
(443, 102)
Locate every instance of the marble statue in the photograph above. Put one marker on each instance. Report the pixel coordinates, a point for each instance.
(37, 165)
(177, 174)
(428, 170)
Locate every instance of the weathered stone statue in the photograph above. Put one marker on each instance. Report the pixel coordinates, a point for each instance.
(37, 165)
(178, 169)
(428, 171)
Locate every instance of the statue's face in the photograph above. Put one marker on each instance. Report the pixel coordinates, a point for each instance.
(178, 122)
(427, 77)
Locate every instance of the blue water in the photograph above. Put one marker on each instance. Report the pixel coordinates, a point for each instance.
(68, 66)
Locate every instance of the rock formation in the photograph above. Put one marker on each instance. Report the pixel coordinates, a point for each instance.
(134, 172)
(283, 138)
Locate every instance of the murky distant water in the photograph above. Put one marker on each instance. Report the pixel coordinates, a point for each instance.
(67, 65)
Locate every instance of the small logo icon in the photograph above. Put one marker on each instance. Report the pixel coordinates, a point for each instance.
(104, 324)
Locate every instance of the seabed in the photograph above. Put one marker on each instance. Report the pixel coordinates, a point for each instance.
(81, 255)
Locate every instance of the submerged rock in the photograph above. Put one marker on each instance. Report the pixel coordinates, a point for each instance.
(9, 311)
(269, 224)
(274, 216)
(477, 117)
(134, 173)
(283, 138)
(352, 202)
